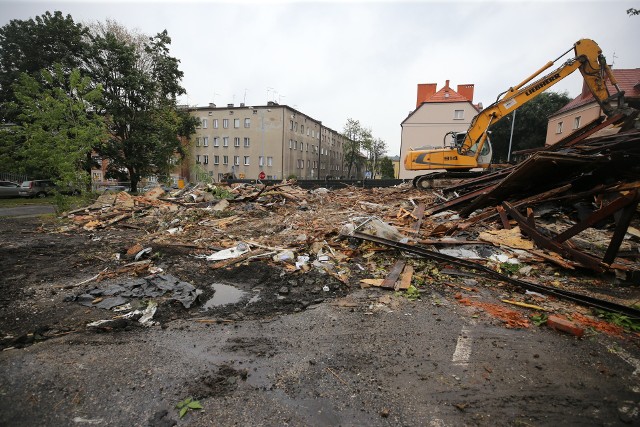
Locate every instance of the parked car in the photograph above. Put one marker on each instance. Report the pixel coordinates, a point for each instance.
(9, 189)
(43, 188)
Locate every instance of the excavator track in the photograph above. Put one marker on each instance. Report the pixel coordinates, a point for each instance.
(440, 180)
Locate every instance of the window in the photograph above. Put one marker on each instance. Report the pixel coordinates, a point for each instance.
(296, 127)
(247, 122)
(236, 160)
(261, 161)
(225, 141)
(197, 159)
(308, 132)
(308, 163)
(246, 160)
(236, 123)
(246, 142)
(300, 164)
(216, 141)
(225, 123)
(302, 129)
(290, 124)
(216, 160)
(205, 141)
(206, 159)
(204, 123)
(269, 161)
(290, 144)
(458, 114)
(225, 160)
(295, 145)
(236, 141)
(576, 122)
(215, 123)
(559, 128)
(198, 141)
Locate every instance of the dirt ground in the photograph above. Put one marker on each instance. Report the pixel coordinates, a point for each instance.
(290, 347)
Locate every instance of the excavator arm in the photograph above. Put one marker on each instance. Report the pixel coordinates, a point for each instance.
(588, 59)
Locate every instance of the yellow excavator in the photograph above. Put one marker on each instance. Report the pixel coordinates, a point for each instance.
(472, 150)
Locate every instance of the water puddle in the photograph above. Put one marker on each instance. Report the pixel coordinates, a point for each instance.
(224, 294)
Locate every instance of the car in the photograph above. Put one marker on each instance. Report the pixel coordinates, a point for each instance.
(43, 188)
(37, 188)
(9, 189)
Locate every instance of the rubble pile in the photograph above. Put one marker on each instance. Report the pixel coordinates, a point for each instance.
(554, 236)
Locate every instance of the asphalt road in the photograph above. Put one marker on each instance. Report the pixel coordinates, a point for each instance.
(29, 210)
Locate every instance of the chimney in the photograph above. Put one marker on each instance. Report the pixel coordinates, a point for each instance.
(212, 105)
(229, 105)
(425, 91)
(466, 91)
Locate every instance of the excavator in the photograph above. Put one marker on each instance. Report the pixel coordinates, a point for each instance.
(472, 150)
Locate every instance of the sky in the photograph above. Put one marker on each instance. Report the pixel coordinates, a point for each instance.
(361, 60)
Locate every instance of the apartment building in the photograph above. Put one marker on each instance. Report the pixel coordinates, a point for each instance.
(275, 141)
(437, 112)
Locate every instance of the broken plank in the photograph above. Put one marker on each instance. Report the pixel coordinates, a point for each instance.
(405, 279)
(394, 274)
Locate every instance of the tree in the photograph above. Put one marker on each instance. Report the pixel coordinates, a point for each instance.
(141, 82)
(386, 168)
(633, 11)
(351, 150)
(33, 45)
(530, 129)
(375, 149)
(58, 125)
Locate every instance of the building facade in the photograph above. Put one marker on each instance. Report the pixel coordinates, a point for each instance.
(584, 109)
(437, 112)
(274, 141)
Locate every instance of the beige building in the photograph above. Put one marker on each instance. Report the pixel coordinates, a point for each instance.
(584, 109)
(437, 112)
(274, 139)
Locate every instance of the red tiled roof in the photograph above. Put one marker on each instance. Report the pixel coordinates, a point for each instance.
(446, 94)
(628, 81)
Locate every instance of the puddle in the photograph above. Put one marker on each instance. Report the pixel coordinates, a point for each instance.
(224, 294)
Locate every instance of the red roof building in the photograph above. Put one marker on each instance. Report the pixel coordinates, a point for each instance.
(583, 109)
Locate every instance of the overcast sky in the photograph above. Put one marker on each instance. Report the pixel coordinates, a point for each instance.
(361, 59)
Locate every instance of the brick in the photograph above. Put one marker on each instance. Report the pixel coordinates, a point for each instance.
(564, 325)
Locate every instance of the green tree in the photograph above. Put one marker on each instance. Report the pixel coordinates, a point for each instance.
(29, 46)
(58, 124)
(530, 128)
(141, 82)
(633, 11)
(355, 134)
(386, 168)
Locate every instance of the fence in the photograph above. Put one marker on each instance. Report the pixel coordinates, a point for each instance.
(13, 177)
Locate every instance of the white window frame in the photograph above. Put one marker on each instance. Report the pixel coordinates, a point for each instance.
(215, 123)
(205, 123)
(236, 123)
(247, 122)
(205, 141)
(576, 122)
(225, 160)
(559, 128)
(197, 159)
(216, 160)
(236, 141)
(216, 141)
(225, 123)
(458, 115)
(260, 161)
(269, 161)
(236, 160)
(205, 159)
(197, 141)
(225, 141)
(247, 141)
(247, 159)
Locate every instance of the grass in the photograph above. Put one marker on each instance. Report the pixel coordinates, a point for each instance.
(60, 202)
